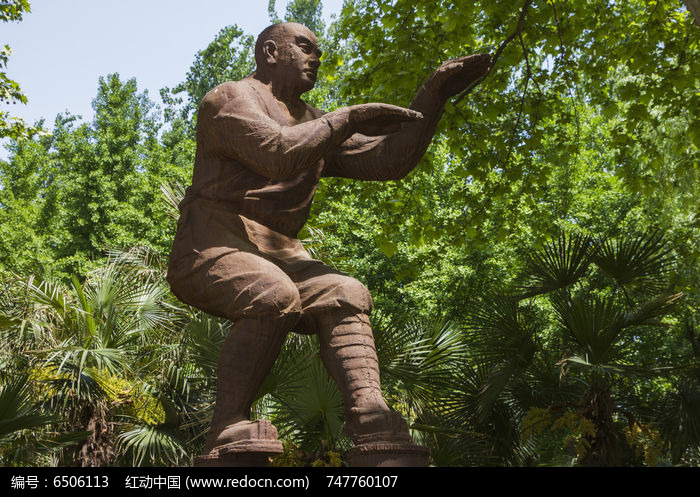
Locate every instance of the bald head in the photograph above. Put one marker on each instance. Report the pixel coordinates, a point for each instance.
(279, 33)
(287, 56)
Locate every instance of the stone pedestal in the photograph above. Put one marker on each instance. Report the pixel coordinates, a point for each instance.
(390, 454)
(250, 445)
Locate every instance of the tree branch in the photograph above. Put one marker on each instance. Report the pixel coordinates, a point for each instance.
(528, 77)
(518, 30)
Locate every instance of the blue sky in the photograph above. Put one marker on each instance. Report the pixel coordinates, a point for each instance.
(62, 47)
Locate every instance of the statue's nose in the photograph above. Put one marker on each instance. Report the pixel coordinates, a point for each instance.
(314, 62)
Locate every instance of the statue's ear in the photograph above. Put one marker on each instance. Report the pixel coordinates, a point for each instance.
(270, 52)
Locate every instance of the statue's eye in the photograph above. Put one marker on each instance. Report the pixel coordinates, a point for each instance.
(305, 47)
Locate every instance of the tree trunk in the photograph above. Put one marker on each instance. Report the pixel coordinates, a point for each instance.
(605, 446)
(98, 449)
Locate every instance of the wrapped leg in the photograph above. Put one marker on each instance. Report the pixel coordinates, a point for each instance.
(245, 360)
(349, 354)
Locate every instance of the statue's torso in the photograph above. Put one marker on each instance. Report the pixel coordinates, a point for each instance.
(230, 206)
(280, 204)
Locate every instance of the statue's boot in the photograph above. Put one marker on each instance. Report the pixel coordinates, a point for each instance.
(246, 358)
(365, 426)
(349, 354)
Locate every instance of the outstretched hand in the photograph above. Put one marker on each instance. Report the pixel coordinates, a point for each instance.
(457, 74)
(380, 119)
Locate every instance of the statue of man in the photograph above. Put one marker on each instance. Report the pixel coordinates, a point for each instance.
(261, 152)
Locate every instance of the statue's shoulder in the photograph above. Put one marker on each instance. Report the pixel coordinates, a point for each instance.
(218, 96)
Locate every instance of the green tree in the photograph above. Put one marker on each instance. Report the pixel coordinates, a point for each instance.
(10, 91)
(606, 316)
(550, 60)
(306, 12)
(88, 187)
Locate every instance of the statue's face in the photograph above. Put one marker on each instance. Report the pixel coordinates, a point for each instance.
(298, 57)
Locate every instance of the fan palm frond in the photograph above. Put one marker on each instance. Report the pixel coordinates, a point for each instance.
(297, 354)
(144, 260)
(500, 328)
(206, 335)
(153, 445)
(173, 193)
(618, 369)
(310, 411)
(459, 406)
(450, 446)
(541, 384)
(598, 323)
(644, 259)
(17, 411)
(559, 264)
(680, 417)
(592, 322)
(502, 331)
(463, 409)
(52, 308)
(649, 312)
(416, 358)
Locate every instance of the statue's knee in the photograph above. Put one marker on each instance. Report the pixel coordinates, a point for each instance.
(279, 302)
(289, 301)
(357, 296)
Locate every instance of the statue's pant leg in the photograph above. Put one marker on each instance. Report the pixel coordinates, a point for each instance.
(264, 305)
(336, 307)
(246, 358)
(348, 352)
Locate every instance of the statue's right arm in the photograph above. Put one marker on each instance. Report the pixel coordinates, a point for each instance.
(231, 122)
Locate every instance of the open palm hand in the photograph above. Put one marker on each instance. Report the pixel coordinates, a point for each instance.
(457, 74)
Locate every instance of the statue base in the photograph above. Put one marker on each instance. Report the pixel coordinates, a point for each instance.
(390, 454)
(252, 444)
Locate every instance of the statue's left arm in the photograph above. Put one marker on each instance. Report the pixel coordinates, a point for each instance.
(395, 154)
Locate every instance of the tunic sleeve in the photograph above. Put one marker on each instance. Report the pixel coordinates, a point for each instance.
(235, 125)
(391, 156)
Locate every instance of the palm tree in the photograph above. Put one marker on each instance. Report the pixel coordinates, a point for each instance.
(604, 321)
(93, 355)
(596, 300)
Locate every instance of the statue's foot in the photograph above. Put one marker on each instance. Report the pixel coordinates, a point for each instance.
(242, 436)
(382, 439)
(366, 425)
(240, 444)
(225, 434)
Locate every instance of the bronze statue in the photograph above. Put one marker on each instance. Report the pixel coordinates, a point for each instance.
(261, 151)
